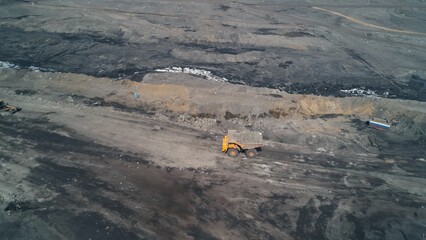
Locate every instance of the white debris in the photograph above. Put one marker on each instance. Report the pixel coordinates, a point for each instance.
(321, 150)
(198, 72)
(32, 68)
(35, 69)
(357, 91)
(8, 65)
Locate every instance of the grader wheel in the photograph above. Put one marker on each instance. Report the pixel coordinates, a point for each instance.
(232, 152)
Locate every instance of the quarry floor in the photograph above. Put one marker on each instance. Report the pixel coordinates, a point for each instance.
(124, 106)
(96, 162)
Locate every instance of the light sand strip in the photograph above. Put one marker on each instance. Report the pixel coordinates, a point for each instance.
(368, 24)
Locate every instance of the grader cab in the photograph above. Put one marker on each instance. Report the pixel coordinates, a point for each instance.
(236, 142)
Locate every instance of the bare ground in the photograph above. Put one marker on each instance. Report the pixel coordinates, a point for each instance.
(81, 163)
(108, 147)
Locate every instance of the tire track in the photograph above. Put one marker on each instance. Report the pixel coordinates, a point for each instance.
(369, 24)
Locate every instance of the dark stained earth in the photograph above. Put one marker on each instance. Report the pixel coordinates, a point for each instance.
(323, 55)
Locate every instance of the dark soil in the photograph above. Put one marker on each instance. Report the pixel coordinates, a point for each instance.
(79, 53)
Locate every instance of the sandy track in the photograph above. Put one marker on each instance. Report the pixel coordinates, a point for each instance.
(365, 24)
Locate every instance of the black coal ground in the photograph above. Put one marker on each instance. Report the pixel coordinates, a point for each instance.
(106, 203)
(81, 53)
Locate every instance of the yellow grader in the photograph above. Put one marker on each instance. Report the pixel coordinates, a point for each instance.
(235, 142)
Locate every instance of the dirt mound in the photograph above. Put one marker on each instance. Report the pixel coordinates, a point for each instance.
(324, 106)
(168, 97)
(178, 93)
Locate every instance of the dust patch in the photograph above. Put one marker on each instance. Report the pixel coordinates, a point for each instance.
(171, 97)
